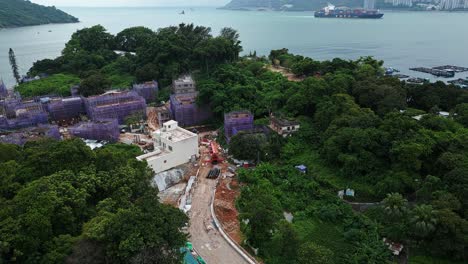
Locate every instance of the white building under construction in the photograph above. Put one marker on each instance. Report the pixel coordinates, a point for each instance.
(174, 146)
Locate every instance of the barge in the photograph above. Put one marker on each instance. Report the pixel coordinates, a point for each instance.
(435, 72)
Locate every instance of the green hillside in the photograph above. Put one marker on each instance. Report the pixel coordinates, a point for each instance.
(18, 13)
(293, 5)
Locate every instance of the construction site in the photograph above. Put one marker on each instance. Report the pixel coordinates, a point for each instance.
(183, 103)
(100, 117)
(191, 170)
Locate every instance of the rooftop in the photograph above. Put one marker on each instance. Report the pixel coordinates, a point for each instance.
(153, 155)
(76, 98)
(284, 122)
(92, 123)
(178, 134)
(187, 98)
(238, 114)
(173, 132)
(149, 84)
(184, 79)
(110, 93)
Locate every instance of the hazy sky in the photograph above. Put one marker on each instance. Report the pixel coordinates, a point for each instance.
(131, 2)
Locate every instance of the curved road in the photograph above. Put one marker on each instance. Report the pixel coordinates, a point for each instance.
(205, 238)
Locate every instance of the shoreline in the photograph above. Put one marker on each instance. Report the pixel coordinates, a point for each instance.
(43, 24)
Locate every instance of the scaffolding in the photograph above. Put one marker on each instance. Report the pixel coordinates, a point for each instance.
(25, 114)
(65, 109)
(9, 106)
(185, 110)
(184, 85)
(75, 90)
(235, 122)
(117, 105)
(30, 134)
(105, 129)
(3, 89)
(147, 90)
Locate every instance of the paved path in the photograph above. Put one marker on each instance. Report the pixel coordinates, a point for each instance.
(206, 240)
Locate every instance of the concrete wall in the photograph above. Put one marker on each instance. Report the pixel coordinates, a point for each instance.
(172, 154)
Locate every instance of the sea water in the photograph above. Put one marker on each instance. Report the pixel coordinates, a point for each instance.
(401, 39)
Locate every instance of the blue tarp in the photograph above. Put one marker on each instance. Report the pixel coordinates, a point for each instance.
(302, 168)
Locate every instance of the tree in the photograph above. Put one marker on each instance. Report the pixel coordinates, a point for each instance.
(14, 66)
(262, 211)
(461, 114)
(311, 253)
(247, 146)
(94, 85)
(276, 54)
(305, 67)
(284, 244)
(395, 206)
(61, 202)
(146, 232)
(233, 36)
(423, 220)
(131, 39)
(92, 39)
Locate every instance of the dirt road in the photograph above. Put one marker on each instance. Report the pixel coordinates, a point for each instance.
(205, 237)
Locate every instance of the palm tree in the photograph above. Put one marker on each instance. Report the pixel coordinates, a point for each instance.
(423, 220)
(395, 205)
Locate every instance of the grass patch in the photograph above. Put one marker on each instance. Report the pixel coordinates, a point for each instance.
(121, 82)
(331, 178)
(57, 84)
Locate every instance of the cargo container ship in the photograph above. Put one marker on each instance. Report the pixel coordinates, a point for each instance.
(343, 12)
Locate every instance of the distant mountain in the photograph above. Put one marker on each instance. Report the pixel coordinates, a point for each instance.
(292, 5)
(17, 13)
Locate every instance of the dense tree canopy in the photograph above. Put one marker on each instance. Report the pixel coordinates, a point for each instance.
(361, 130)
(161, 55)
(63, 203)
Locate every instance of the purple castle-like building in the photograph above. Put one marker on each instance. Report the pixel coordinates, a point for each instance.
(65, 109)
(184, 108)
(147, 90)
(24, 114)
(21, 121)
(106, 129)
(235, 122)
(30, 134)
(118, 105)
